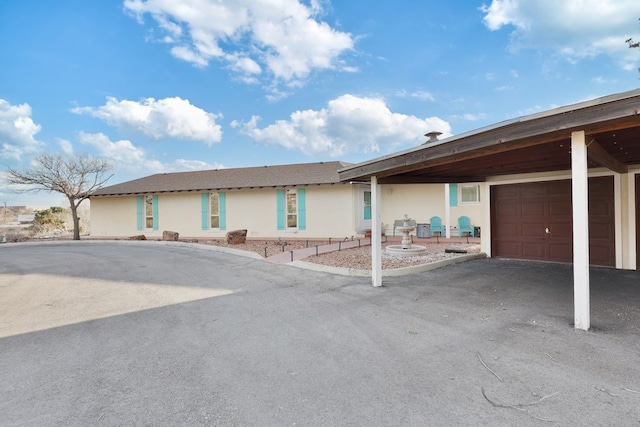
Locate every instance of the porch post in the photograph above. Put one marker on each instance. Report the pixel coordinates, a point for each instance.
(376, 233)
(580, 195)
(447, 211)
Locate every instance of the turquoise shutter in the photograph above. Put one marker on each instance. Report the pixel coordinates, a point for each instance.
(222, 207)
(205, 210)
(302, 209)
(155, 212)
(139, 210)
(453, 194)
(280, 207)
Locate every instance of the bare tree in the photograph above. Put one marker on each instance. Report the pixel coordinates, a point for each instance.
(632, 45)
(76, 177)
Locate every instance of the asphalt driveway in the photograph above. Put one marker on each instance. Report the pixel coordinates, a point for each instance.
(149, 333)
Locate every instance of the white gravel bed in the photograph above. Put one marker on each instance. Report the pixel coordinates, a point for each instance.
(357, 258)
(360, 258)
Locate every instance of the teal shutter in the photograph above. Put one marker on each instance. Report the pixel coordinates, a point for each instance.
(222, 207)
(453, 194)
(139, 210)
(205, 210)
(302, 209)
(155, 212)
(280, 207)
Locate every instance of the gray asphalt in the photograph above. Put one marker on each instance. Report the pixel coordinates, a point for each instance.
(487, 342)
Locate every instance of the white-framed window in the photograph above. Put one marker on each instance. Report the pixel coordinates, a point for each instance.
(469, 193)
(291, 208)
(148, 212)
(214, 210)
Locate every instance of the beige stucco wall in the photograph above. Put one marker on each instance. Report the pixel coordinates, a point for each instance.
(422, 201)
(330, 212)
(113, 216)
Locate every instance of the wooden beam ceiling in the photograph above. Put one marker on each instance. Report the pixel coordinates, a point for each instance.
(596, 153)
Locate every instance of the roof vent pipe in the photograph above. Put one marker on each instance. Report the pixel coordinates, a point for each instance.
(433, 136)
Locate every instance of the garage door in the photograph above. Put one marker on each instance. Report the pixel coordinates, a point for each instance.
(534, 221)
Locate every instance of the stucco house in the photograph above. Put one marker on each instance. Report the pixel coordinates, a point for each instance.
(286, 201)
(560, 185)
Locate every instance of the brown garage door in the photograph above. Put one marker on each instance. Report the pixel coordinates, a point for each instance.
(534, 221)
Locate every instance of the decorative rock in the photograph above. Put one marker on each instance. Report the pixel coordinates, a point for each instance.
(236, 237)
(170, 235)
(138, 237)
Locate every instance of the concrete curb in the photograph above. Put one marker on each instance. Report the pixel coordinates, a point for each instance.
(386, 273)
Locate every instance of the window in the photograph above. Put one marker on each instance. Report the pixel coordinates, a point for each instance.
(148, 212)
(214, 209)
(469, 193)
(292, 209)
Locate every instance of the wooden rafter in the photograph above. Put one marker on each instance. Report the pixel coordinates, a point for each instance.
(596, 153)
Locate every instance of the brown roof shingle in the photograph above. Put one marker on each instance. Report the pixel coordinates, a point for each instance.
(237, 178)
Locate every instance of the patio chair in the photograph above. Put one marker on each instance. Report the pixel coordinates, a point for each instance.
(464, 226)
(436, 225)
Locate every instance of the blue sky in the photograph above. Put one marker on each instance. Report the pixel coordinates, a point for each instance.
(174, 85)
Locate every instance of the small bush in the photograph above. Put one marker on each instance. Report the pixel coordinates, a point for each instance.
(48, 221)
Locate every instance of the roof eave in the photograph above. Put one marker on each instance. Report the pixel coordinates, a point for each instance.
(535, 126)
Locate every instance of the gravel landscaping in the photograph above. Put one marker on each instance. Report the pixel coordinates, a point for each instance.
(356, 258)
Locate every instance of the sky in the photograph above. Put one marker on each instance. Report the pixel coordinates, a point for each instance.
(158, 86)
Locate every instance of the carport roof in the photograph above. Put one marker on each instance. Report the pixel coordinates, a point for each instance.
(321, 173)
(535, 143)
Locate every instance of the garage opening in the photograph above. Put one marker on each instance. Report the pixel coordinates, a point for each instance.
(534, 221)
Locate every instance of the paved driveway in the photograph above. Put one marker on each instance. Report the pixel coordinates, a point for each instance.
(127, 333)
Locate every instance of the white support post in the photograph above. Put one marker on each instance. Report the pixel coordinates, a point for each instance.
(580, 195)
(485, 237)
(447, 211)
(376, 235)
(631, 223)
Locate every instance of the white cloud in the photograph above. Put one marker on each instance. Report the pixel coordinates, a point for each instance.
(122, 152)
(126, 156)
(164, 118)
(575, 29)
(419, 94)
(348, 124)
(192, 165)
(65, 146)
(17, 131)
(283, 36)
(471, 117)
